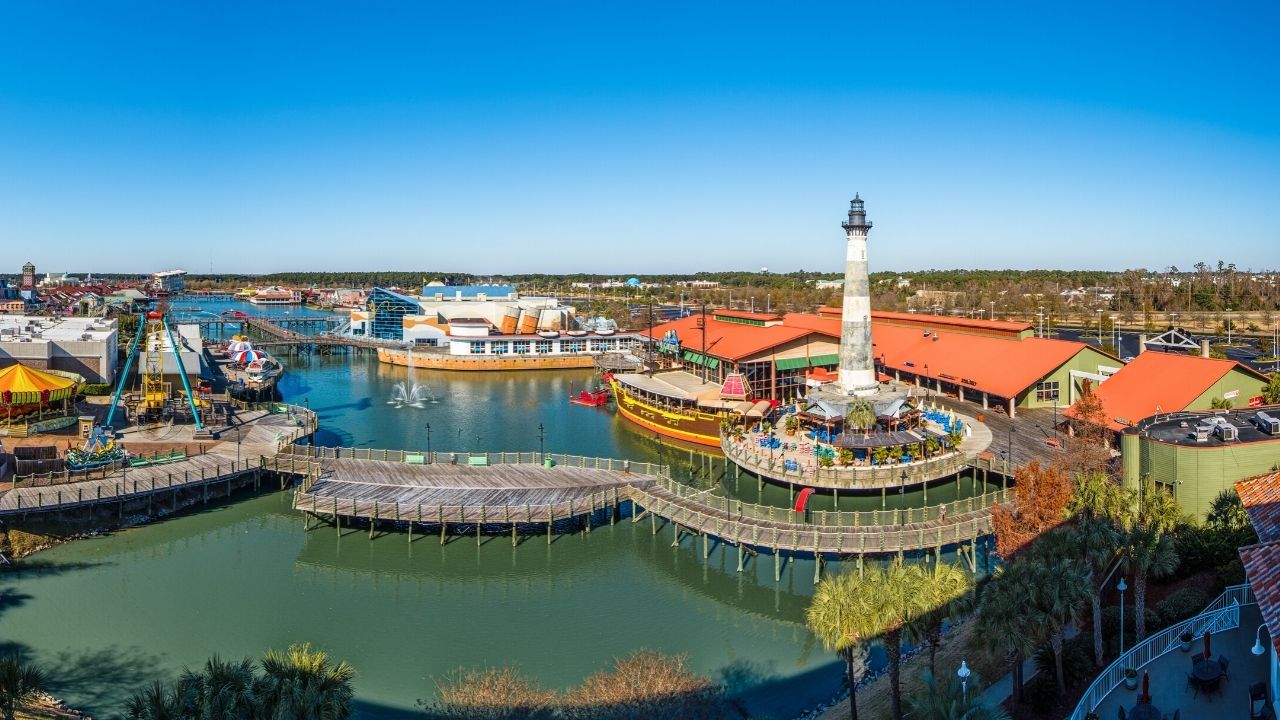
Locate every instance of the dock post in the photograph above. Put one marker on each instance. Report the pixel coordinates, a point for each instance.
(817, 568)
(443, 526)
(653, 522)
(551, 518)
(739, 557)
(410, 532)
(706, 545)
(777, 569)
(513, 534)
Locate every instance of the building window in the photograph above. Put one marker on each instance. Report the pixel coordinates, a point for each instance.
(520, 347)
(542, 347)
(576, 346)
(1047, 391)
(477, 347)
(499, 347)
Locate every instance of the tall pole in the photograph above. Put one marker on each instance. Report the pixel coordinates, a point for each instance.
(649, 345)
(428, 442)
(704, 342)
(542, 436)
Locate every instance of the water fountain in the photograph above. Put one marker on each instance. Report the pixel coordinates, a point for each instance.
(409, 393)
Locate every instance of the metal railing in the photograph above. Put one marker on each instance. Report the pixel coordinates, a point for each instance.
(479, 458)
(956, 510)
(1219, 616)
(852, 477)
(128, 486)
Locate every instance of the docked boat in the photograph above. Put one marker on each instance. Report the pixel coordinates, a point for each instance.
(679, 404)
(276, 296)
(591, 398)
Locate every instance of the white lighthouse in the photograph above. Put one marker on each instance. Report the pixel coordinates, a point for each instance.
(857, 371)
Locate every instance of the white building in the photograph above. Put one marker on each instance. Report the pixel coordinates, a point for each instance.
(82, 345)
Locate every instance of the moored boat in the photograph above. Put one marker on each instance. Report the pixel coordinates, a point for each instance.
(676, 404)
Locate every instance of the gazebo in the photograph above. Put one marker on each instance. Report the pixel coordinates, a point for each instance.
(25, 390)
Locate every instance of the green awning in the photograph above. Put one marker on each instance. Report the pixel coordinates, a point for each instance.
(698, 359)
(815, 361)
(792, 363)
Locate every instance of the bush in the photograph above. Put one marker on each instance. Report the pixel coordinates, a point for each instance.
(1232, 573)
(95, 389)
(1041, 693)
(490, 694)
(1202, 547)
(1077, 660)
(646, 684)
(1181, 604)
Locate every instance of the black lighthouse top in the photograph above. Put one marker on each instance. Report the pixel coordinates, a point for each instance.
(857, 215)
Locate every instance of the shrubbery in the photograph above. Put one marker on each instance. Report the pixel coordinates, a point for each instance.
(95, 389)
(1181, 604)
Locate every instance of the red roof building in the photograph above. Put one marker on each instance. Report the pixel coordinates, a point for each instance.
(1158, 382)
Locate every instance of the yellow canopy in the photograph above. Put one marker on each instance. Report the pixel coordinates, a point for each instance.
(26, 384)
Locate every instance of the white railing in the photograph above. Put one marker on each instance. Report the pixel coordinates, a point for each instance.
(1221, 615)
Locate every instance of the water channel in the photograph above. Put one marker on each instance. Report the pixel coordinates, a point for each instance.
(107, 614)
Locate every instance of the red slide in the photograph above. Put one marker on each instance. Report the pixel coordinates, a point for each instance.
(803, 498)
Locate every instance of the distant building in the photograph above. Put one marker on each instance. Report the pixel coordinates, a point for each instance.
(85, 346)
(391, 315)
(169, 281)
(28, 276)
(828, 284)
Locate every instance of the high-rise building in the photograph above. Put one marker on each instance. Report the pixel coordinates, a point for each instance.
(28, 276)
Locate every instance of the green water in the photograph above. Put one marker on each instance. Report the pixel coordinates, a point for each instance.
(108, 614)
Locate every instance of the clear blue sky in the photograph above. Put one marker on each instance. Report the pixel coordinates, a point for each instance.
(619, 137)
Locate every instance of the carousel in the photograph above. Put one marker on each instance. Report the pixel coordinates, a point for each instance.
(29, 396)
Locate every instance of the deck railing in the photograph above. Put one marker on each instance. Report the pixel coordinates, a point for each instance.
(851, 477)
(464, 458)
(130, 485)
(837, 519)
(1221, 615)
(506, 514)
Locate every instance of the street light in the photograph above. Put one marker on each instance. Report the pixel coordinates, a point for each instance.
(926, 381)
(963, 673)
(1257, 648)
(428, 426)
(542, 435)
(1099, 311)
(1121, 587)
(1228, 326)
(993, 309)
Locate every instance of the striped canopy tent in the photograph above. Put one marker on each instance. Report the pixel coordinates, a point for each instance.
(236, 346)
(248, 356)
(25, 390)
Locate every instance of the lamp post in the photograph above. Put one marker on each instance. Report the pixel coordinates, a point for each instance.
(1041, 316)
(1099, 311)
(1115, 335)
(993, 309)
(902, 499)
(542, 436)
(428, 428)
(963, 673)
(926, 381)
(1228, 326)
(1257, 648)
(1121, 587)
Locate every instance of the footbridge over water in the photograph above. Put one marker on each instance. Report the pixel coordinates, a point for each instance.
(473, 493)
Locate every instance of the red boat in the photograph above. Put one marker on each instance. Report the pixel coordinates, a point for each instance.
(591, 398)
(234, 314)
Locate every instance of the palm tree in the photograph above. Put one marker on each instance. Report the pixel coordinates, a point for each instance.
(951, 701)
(1099, 506)
(861, 415)
(19, 683)
(156, 702)
(302, 683)
(224, 690)
(896, 601)
(948, 595)
(1060, 590)
(835, 616)
(1150, 550)
(1006, 625)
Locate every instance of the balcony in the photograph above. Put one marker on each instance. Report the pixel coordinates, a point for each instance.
(1232, 620)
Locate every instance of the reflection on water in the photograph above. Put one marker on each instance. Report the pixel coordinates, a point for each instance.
(237, 578)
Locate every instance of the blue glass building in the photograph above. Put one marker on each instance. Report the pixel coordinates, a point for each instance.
(386, 313)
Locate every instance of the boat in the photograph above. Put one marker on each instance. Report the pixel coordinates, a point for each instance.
(674, 403)
(234, 314)
(276, 296)
(549, 333)
(591, 398)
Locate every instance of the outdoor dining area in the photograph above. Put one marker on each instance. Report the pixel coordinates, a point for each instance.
(1216, 675)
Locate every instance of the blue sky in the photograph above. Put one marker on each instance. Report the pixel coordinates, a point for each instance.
(636, 137)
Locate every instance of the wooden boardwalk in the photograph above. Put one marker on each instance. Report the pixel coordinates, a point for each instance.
(263, 435)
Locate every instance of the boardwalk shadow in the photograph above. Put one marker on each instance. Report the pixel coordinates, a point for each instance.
(11, 598)
(102, 679)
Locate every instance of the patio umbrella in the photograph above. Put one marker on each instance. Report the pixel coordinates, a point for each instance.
(248, 356)
(1207, 654)
(238, 346)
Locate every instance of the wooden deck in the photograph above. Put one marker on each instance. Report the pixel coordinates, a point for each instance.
(461, 494)
(262, 435)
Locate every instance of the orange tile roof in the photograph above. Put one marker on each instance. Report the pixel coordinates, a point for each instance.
(948, 320)
(1262, 568)
(747, 314)
(729, 340)
(995, 365)
(1261, 499)
(1156, 382)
